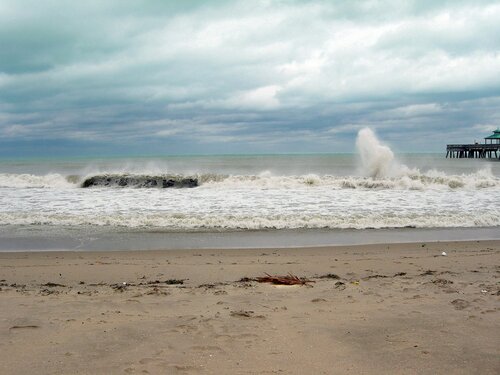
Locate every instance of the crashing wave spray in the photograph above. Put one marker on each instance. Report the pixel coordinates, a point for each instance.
(377, 160)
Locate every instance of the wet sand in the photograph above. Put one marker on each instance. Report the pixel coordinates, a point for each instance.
(371, 309)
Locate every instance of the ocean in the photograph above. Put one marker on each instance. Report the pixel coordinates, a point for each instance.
(371, 189)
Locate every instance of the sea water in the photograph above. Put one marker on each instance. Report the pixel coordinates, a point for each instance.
(372, 188)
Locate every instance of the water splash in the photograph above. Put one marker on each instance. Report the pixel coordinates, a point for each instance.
(377, 159)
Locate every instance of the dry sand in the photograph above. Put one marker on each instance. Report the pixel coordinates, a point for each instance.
(394, 309)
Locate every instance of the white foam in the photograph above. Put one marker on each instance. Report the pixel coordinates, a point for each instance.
(409, 180)
(412, 180)
(178, 222)
(52, 180)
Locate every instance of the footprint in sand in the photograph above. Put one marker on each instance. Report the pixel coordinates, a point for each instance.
(23, 323)
(318, 300)
(246, 314)
(24, 327)
(460, 304)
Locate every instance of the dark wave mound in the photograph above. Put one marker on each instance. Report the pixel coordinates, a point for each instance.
(140, 181)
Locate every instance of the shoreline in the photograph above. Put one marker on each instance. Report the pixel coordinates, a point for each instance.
(369, 309)
(248, 251)
(46, 238)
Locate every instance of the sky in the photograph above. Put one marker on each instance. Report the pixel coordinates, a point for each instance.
(123, 77)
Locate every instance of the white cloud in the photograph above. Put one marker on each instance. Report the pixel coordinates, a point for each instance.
(414, 110)
(260, 98)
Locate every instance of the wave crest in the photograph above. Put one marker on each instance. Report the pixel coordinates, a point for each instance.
(51, 180)
(181, 222)
(140, 181)
(411, 180)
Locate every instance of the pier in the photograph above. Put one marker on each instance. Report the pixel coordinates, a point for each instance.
(488, 150)
(480, 151)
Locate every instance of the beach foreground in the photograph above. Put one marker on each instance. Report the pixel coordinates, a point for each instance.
(377, 309)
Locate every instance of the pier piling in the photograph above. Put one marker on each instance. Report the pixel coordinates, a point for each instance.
(473, 151)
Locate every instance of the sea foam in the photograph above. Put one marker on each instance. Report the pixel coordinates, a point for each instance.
(405, 179)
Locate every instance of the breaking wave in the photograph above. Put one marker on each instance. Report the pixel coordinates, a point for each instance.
(411, 180)
(180, 222)
(140, 181)
(52, 180)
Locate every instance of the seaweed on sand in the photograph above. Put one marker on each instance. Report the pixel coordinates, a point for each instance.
(283, 280)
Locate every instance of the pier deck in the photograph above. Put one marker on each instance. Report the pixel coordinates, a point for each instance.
(481, 151)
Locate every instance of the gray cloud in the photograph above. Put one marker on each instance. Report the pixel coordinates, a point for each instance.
(262, 76)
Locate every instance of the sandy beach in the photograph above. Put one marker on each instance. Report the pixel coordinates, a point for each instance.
(371, 309)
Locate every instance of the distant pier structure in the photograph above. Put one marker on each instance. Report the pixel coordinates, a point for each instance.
(490, 149)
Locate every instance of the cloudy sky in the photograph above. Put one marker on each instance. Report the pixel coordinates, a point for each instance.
(168, 77)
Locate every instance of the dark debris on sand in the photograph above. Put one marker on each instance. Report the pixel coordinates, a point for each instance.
(330, 276)
(284, 280)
